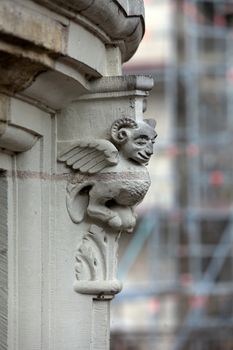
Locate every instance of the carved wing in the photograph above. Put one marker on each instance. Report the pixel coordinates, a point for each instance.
(90, 156)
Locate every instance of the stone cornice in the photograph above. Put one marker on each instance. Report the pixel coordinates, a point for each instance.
(48, 39)
(121, 20)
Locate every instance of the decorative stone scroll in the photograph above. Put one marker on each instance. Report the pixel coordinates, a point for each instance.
(109, 180)
(96, 263)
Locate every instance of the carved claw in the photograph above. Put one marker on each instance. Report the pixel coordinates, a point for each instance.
(130, 226)
(129, 230)
(115, 222)
(125, 220)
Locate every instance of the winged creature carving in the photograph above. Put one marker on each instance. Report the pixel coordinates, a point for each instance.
(90, 156)
(117, 178)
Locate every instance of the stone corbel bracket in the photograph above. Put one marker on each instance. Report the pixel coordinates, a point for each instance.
(15, 134)
(16, 139)
(108, 175)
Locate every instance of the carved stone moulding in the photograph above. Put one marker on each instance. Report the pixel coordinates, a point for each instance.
(125, 84)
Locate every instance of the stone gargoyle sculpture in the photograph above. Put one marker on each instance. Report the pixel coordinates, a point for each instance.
(114, 177)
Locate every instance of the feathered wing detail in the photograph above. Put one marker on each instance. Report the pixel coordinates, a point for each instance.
(90, 156)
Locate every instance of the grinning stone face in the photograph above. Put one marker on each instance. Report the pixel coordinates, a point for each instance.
(139, 144)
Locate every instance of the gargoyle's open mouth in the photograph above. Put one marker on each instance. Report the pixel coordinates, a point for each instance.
(143, 157)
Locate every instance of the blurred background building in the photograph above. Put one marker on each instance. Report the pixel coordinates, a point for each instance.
(178, 264)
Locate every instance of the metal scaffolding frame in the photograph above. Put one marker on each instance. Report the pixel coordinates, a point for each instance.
(205, 260)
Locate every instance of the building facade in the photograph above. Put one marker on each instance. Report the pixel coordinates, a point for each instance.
(73, 150)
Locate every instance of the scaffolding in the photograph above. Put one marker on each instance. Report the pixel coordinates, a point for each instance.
(189, 246)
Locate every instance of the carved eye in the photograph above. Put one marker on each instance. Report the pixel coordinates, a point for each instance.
(141, 140)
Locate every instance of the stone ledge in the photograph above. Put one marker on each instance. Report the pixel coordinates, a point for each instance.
(123, 83)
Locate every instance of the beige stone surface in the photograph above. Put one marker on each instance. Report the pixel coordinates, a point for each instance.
(23, 23)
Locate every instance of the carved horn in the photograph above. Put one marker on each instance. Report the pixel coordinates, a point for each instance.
(120, 136)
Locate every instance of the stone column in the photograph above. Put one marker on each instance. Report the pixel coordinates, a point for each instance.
(73, 155)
